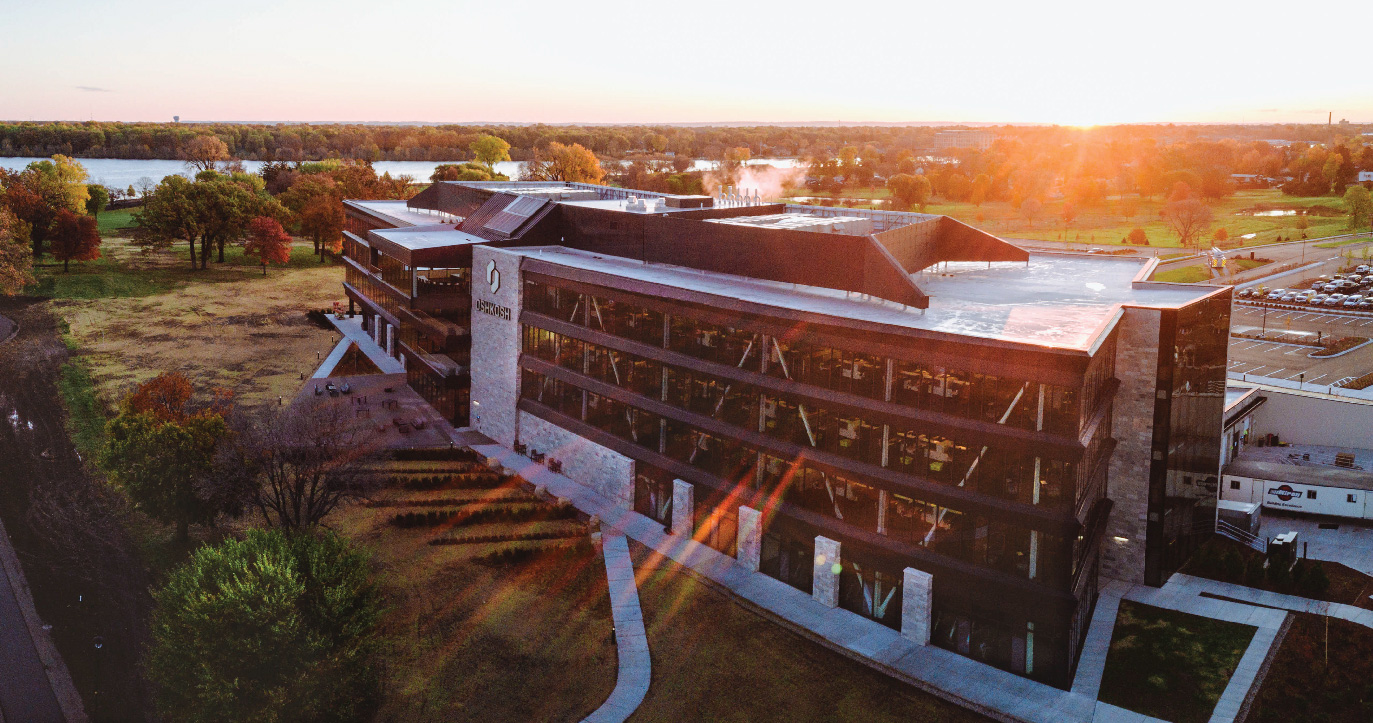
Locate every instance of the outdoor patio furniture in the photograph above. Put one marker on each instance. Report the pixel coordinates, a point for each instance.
(555, 465)
(345, 388)
(362, 412)
(418, 423)
(397, 421)
(404, 428)
(318, 391)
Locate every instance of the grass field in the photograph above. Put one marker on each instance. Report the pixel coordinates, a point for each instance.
(1109, 223)
(465, 641)
(1184, 275)
(111, 223)
(714, 660)
(133, 315)
(1170, 665)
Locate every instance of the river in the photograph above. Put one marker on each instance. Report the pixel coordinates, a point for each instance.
(125, 172)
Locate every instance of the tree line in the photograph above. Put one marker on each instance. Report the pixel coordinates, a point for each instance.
(369, 142)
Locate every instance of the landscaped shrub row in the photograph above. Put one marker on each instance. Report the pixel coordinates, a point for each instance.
(432, 467)
(524, 553)
(1307, 578)
(530, 512)
(487, 497)
(435, 455)
(472, 480)
(507, 537)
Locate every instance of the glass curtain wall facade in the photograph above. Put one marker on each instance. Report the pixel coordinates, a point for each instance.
(1188, 412)
(840, 462)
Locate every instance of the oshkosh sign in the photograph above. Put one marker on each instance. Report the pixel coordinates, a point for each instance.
(493, 309)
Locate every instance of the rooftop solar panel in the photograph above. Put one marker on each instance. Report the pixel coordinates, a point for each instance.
(515, 213)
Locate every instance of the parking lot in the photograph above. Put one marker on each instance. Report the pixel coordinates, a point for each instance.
(1290, 337)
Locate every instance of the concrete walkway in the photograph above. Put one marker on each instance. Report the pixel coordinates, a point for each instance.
(987, 690)
(631, 685)
(352, 332)
(1199, 585)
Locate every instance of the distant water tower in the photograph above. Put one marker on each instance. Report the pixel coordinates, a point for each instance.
(176, 119)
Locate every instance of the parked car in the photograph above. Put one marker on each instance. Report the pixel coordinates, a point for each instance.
(1362, 269)
(1319, 299)
(1318, 286)
(1353, 301)
(1244, 293)
(1367, 303)
(1335, 300)
(1289, 297)
(1304, 297)
(1276, 294)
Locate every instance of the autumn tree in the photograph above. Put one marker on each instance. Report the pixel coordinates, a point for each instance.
(36, 194)
(490, 150)
(982, 185)
(1189, 219)
(161, 449)
(296, 468)
(1220, 236)
(268, 241)
(465, 172)
(169, 215)
(1030, 209)
(573, 164)
(225, 206)
(16, 258)
(99, 198)
(1137, 237)
(910, 190)
(75, 238)
(203, 152)
(1359, 205)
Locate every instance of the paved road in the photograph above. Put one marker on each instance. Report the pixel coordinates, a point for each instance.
(25, 691)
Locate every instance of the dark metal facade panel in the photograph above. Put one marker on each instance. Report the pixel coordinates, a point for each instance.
(459, 200)
(940, 238)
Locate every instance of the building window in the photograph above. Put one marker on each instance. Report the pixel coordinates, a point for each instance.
(1234, 484)
(1310, 494)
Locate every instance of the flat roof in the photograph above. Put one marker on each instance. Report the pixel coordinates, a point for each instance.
(1288, 464)
(419, 238)
(399, 213)
(620, 204)
(1055, 300)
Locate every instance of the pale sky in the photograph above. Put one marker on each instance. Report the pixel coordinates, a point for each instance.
(560, 62)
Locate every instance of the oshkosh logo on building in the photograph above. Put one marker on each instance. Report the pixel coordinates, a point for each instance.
(493, 309)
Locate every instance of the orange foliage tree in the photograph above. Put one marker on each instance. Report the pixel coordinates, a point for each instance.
(268, 241)
(75, 238)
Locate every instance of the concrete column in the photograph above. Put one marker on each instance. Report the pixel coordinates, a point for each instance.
(825, 581)
(917, 603)
(750, 547)
(376, 330)
(390, 340)
(683, 507)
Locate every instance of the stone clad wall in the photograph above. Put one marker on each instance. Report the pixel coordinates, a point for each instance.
(495, 345)
(584, 462)
(1133, 428)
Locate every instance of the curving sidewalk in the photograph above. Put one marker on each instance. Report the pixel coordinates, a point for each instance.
(630, 638)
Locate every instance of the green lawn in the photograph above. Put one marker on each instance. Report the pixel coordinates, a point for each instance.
(1345, 242)
(1184, 275)
(714, 660)
(1108, 223)
(1170, 665)
(125, 271)
(85, 413)
(111, 222)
